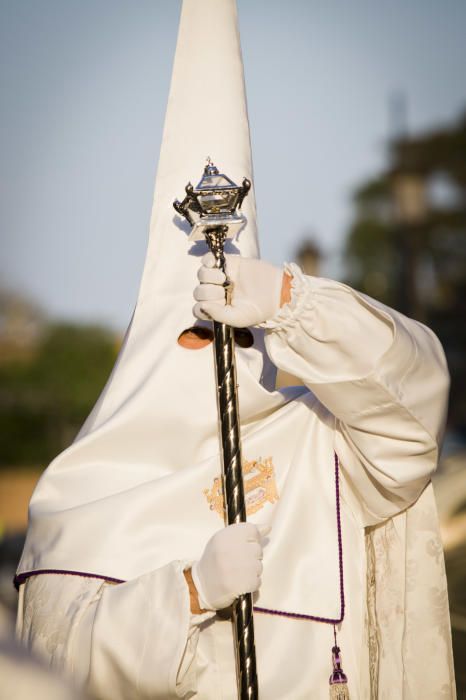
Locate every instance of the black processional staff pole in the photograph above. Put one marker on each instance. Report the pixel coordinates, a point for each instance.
(211, 209)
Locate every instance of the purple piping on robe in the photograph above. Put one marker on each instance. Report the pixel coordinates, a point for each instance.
(316, 618)
(21, 578)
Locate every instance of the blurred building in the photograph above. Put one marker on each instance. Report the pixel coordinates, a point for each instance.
(309, 256)
(407, 242)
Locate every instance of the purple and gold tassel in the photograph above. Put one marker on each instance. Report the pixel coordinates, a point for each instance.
(338, 680)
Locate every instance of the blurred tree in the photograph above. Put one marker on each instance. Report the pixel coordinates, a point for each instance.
(407, 243)
(21, 325)
(44, 398)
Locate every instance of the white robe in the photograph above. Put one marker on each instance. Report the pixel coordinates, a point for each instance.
(377, 391)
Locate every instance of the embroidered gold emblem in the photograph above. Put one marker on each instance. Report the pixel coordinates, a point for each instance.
(259, 487)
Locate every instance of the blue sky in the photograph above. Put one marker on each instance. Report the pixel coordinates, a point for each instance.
(84, 85)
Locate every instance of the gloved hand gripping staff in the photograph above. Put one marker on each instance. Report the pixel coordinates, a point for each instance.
(211, 208)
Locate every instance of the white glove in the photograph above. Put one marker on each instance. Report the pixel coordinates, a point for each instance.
(256, 291)
(230, 565)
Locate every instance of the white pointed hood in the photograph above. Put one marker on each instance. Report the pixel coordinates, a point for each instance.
(206, 116)
(112, 503)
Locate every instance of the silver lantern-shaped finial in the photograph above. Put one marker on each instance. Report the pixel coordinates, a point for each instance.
(213, 203)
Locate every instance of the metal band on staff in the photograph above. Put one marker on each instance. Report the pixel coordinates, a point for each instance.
(211, 210)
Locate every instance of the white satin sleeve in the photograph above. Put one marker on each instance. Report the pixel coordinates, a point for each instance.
(118, 641)
(382, 375)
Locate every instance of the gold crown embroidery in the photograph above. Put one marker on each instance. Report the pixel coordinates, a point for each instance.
(259, 487)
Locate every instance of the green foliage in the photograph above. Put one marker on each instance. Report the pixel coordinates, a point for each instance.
(45, 398)
(74, 363)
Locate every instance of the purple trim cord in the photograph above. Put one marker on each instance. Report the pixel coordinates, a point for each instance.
(21, 578)
(316, 618)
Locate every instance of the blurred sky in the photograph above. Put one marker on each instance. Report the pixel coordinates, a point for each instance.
(83, 89)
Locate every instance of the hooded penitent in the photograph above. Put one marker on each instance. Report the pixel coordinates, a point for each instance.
(140, 485)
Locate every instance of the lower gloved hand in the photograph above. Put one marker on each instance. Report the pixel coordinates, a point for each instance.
(256, 291)
(230, 565)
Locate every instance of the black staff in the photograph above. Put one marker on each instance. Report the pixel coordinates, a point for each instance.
(211, 210)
